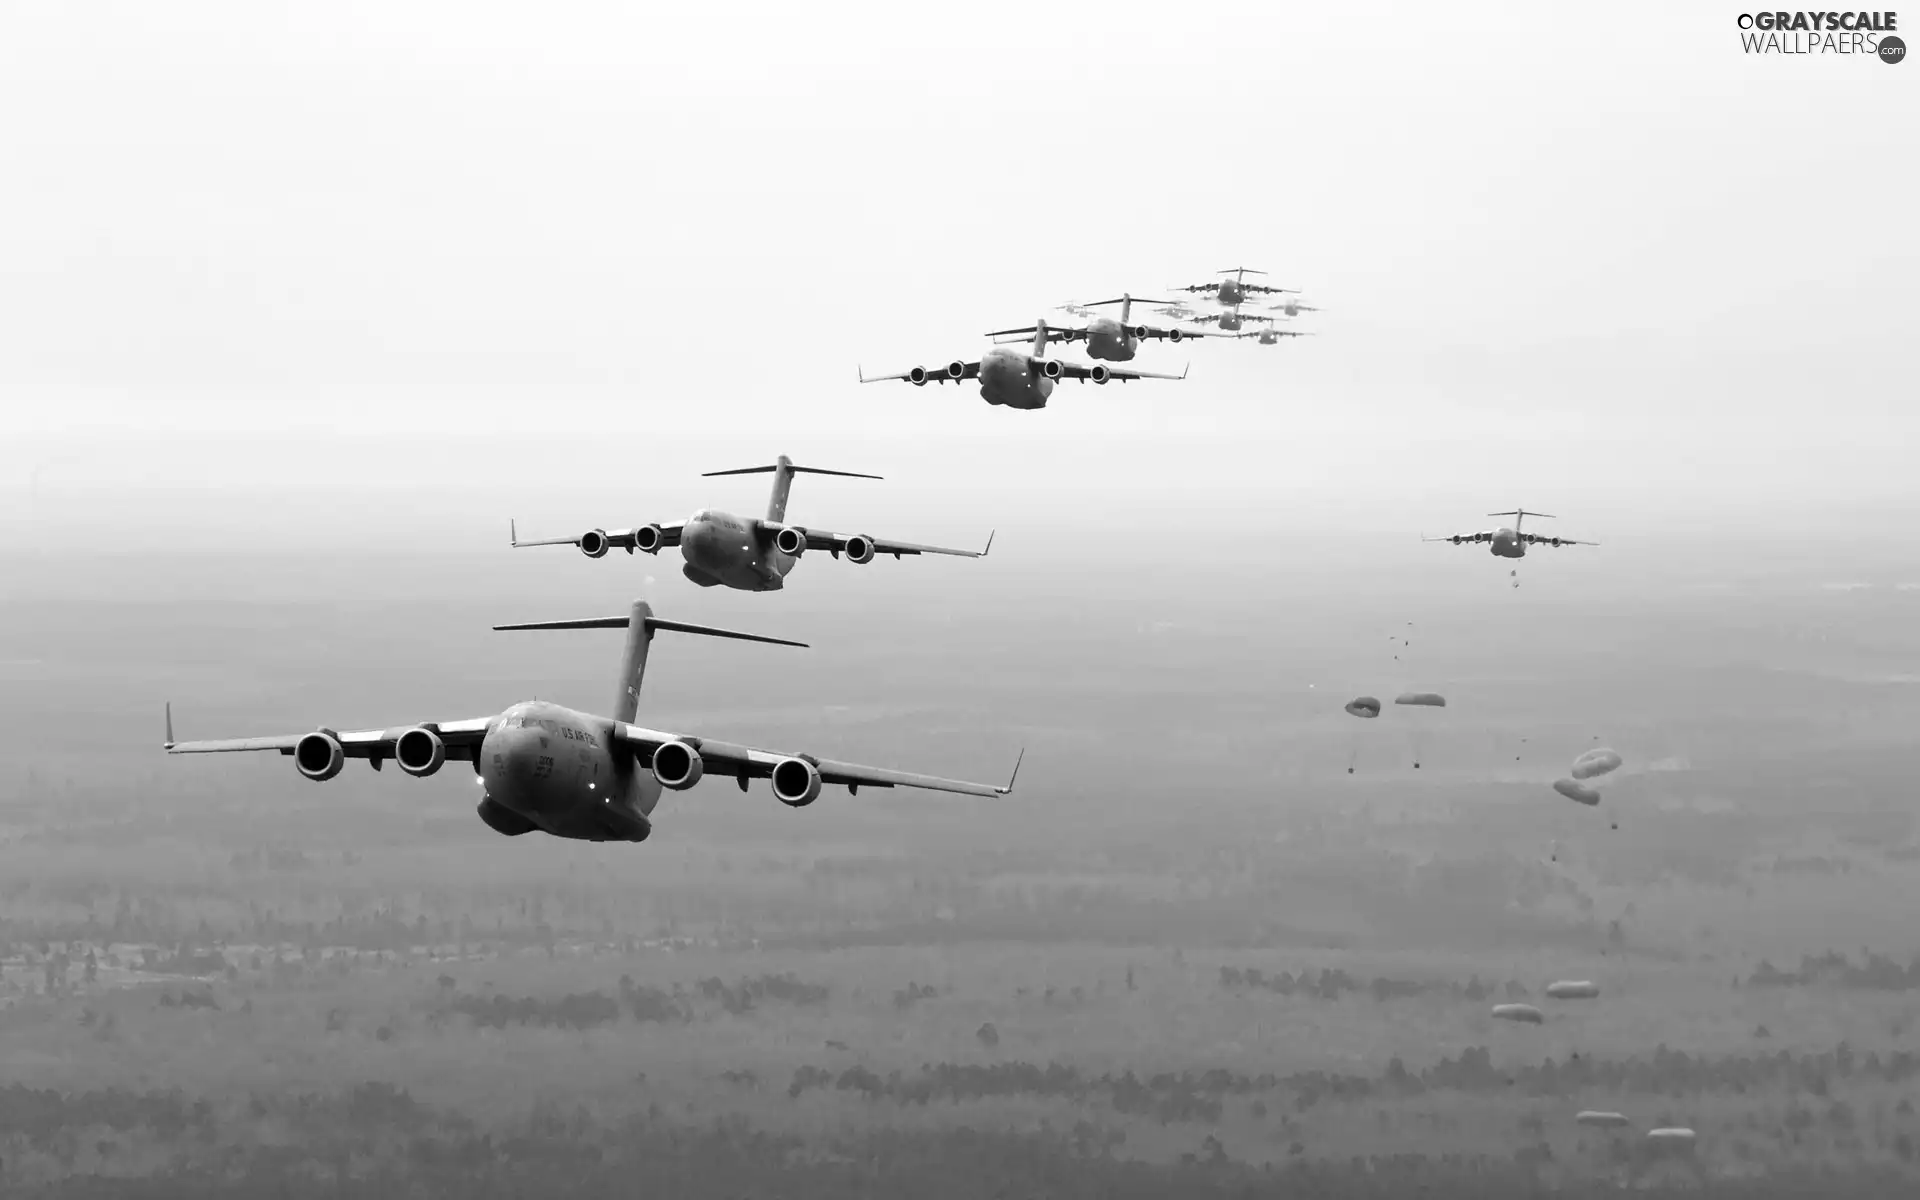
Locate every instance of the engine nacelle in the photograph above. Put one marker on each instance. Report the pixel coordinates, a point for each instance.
(860, 549)
(648, 538)
(1049, 367)
(790, 541)
(1100, 373)
(1174, 335)
(419, 751)
(1554, 542)
(796, 782)
(594, 544)
(678, 766)
(1140, 332)
(917, 377)
(319, 756)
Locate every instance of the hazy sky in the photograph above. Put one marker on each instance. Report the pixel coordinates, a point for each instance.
(515, 257)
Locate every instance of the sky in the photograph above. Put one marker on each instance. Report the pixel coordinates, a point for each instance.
(367, 273)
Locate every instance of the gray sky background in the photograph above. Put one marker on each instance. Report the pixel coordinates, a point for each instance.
(359, 271)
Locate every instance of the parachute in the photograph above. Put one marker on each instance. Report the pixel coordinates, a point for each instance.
(1363, 706)
(1596, 762)
(1606, 1120)
(1579, 793)
(1525, 1013)
(1430, 699)
(1573, 989)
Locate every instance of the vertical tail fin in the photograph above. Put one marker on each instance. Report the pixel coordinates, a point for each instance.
(640, 625)
(1039, 338)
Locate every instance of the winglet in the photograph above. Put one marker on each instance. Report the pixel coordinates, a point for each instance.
(1185, 369)
(1007, 790)
(513, 533)
(863, 371)
(169, 744)
(989, 548)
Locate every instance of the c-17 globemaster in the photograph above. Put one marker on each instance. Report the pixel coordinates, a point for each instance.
(722, 550)
(1015, 379)
(1113, 340)
(1510, 542)
(548, 769)
(1269, 336)
(1233, 291)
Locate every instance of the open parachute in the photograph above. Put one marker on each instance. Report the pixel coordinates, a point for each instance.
(1363, 706)
(1577, 792)
(1428, 699)
(1596, 762)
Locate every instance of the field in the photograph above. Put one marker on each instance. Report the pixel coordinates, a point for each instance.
(1191, 953)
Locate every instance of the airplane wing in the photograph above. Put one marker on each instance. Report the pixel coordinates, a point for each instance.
(462, 740)
(1054, 334)
(925, 375)
(1542, 539)
(746, 762)
(1485, 535)
(834, 543)
(1265, 290)
(655, 537)
(1176, 334)
(1101, 372)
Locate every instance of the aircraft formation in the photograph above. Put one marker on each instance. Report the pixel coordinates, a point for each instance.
(589, 776)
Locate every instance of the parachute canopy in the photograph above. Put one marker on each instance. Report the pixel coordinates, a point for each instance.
(1573, 989)
(1519, 1012)
(1594, 762)
(1579, 793)
(1364, 706)
(1434, 699)
(1607, 1120)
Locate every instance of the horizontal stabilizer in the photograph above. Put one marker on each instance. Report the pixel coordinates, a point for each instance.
(652, 623)
(796, 470)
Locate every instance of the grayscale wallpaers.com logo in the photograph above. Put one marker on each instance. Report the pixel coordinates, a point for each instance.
(1864, 33)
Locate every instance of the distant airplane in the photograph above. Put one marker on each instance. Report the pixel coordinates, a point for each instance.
(1506, 542)
(1231, 292)
(722, 550)
(554, 770)
(1113, 340)
(1016, 380)
(1270, 335)
(1293, 308)
(1178, 311)
(1231, 319)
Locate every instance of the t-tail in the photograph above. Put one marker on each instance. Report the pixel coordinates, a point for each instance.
(1521, 514)
(783, 473)
(1039, 338)
(640, 625)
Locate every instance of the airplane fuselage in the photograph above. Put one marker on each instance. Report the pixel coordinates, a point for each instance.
(722, 550)
(1108, 339)
(550, 769)
(1007, 377)
(1507, 543)
(1231, 292)
(1230, 321)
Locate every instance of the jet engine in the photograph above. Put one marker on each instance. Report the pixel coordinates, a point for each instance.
(917, 377)
(1049, 367)
(1140, 332)
(677, 766)
(860, 549)
(1174, 335)
(593, 543)
(647, 539)
(319, 756)
(796, 782)
(419, 751)
(1100, 374)
(956, 369)
(1553, 541)
(790, 541)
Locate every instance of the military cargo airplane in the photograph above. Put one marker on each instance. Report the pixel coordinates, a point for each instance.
(1113, 340)
(722, 550)
(548, 769)
(1231, 319)
(1231, 292)
(1270, 335)
(1015, 379)
(1510, 542)
(1292, 308)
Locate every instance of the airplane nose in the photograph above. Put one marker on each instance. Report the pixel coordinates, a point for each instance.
(508, 758)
